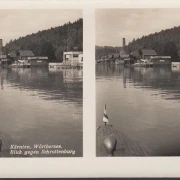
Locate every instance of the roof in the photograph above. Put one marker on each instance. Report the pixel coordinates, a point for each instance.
(135, 53)
(27, 53)
(149, 52)
(125, 56)
(161, 57)
(12, 54)
(38, 57)
(3, 56)
(73, 52)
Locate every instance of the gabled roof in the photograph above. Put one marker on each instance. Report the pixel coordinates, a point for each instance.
(12, 54)
(27, 53)
(149, 52)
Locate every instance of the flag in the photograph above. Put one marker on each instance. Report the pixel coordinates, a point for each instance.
(105, 117)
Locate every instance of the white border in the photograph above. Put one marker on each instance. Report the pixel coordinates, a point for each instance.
(89, 165)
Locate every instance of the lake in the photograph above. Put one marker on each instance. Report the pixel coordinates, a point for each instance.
(39, 106)
(143, 103)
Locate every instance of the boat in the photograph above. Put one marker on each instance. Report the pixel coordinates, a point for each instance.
(142, 64)
(21, 64)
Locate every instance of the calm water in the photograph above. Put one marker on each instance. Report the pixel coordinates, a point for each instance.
(40, 106)
(144, 103)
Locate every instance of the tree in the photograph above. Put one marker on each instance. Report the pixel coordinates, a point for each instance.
(48, 50)
(170, 49)
(51, 42)
(59, 53)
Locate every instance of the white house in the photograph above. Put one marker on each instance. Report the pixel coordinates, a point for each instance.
(73, 58)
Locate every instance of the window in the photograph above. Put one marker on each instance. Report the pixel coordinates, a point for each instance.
(75, 55)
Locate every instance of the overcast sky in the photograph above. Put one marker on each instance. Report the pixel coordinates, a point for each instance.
(114, 24)
(16, 23)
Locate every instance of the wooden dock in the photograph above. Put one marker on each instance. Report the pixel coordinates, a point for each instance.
(124, 146)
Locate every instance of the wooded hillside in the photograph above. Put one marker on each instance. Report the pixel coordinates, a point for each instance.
(51, 42)
(106, 50)
(165, 42)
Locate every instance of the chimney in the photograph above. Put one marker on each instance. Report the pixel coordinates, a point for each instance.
(124, 43)
(1, 46)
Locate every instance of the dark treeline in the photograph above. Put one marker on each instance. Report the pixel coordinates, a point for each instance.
(106, 50)
(52, 42)
(165, 42)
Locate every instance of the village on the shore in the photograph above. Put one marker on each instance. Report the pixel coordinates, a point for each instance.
(138, 58)
(27, 59)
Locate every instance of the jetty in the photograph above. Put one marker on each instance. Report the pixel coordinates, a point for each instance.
(111, 142)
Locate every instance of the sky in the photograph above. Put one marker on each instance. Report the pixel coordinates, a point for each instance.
(114, 24)
(16, 23)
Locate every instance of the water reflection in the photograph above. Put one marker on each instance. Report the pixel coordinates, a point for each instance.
(143, 103)
(38, 106)
(48, 85)
(163, 80)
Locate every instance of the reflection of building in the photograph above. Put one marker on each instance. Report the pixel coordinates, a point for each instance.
(72, 75)
(73, 58)
(69, 75)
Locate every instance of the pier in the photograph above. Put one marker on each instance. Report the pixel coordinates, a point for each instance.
(111, 142)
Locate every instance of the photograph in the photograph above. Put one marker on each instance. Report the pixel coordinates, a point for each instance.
(137, 57)
(41, 83)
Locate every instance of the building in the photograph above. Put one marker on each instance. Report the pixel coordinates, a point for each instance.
(4, 60)
(128, 60)
(38, 61)
(161, 60)
(25, 54)
(1, 46)
(147, 53)
(113, 56)
(135, 54)
(73, 58)
(13, 56)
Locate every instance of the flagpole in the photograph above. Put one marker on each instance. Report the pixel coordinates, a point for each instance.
(105, 116)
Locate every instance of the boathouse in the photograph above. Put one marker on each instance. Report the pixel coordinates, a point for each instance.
(161, 60)
(147, 53)
(38, 61)
(25, 54)
(73, 58)
(4, 60)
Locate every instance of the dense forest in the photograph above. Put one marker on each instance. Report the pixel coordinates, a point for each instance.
(165, 42)
(51, 42)
(105, 50)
